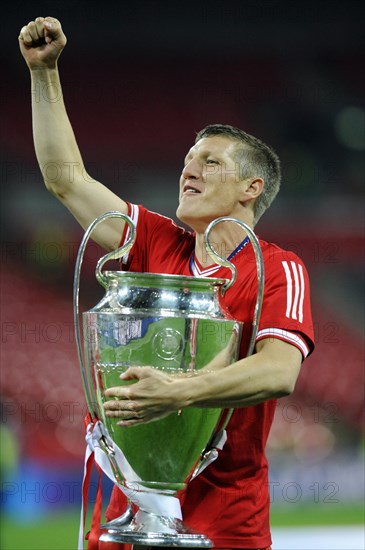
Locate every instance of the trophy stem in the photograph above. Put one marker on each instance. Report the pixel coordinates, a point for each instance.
(122, 520)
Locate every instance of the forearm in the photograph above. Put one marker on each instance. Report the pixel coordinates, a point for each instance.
(57, 152)
(270, 373)
(249, 381)
(41, 42)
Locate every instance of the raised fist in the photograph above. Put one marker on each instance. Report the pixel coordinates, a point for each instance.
(41, 42)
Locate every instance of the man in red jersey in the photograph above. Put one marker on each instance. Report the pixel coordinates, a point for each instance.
(227, 172)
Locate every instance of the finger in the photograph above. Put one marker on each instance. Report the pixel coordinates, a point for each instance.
(119, 405)
(25, 36)
(39, 23)
(131, 422)
(53, 31)
(120, 392)
(126, 423)
(135, 373)
(32, 29)
(131, 373)
(52, 27)
(124, 415)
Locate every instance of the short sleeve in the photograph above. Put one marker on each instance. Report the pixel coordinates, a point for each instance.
(160, 245)
(286, 312)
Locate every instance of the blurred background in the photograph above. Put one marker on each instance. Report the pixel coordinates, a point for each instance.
(140, 79)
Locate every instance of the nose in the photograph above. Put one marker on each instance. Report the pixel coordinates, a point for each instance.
(191, 170)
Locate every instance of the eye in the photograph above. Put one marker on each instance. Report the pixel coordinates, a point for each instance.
(211, 161)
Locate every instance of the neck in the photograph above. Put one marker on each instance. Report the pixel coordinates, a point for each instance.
(224, 238)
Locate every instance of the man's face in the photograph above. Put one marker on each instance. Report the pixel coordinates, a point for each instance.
(210, 184)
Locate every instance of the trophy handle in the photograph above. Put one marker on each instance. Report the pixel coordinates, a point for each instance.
(226, 263)
(211, 449)
(120, 252)
(114, 255)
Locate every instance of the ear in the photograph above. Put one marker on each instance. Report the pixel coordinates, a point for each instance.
(251, 188)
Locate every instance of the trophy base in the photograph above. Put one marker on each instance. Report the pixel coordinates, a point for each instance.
(152, 530)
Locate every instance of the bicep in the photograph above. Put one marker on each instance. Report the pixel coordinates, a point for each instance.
(286, 357)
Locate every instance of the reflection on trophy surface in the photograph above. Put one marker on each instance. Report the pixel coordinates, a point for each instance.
(169, 322)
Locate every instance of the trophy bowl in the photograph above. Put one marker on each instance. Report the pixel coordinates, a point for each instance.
(174, 324)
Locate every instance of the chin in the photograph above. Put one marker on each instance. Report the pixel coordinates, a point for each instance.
(186, 219)
(195, 223)
(183, 219)
(181, 215)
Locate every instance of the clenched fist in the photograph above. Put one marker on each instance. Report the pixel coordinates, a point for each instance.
(41, 42)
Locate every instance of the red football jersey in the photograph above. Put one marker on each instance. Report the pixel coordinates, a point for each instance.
(229, 500)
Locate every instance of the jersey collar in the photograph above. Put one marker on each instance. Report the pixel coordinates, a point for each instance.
(198, 271)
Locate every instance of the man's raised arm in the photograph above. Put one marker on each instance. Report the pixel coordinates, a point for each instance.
(41, 43)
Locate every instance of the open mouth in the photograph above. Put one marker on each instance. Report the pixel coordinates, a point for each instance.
(190, 190)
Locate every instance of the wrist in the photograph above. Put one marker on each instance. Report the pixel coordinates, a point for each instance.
(42, 72)
(185, 390)
(46, 85)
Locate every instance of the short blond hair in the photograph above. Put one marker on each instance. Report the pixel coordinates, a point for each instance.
(255, 159)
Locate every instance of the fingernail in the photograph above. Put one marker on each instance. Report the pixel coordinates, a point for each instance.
(49, 25)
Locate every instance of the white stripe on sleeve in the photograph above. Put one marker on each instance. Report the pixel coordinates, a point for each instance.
(134, 217)
(286, 336)
(295, 288)
(301, 299)
(289, 288)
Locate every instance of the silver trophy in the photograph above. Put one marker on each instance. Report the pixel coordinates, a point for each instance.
(176, 324)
